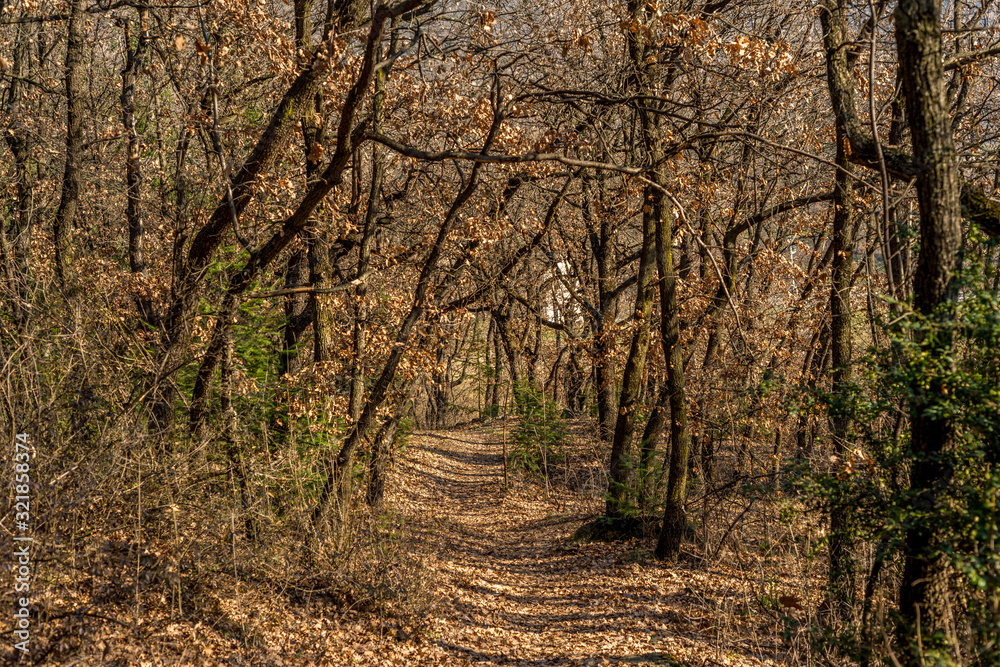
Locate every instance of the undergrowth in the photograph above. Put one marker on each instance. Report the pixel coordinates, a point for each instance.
(143, 530)
(540, 435)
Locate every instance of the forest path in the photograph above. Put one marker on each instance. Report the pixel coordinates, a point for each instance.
(509, 593)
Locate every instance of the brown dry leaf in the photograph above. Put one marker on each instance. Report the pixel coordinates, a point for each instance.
(316, 152)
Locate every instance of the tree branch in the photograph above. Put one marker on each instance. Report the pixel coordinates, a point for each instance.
(969, 57)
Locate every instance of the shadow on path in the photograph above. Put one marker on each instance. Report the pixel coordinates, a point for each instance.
(511, 594)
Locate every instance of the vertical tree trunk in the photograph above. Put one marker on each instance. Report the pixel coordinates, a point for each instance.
(497, 367)
(600, 245)
(833, 19)
(635, 364)
(812, 368)
(321, 277)
(924, 598)
(17, 236)
(674, 518)
(899, 246)
(490, 394)
(437, 390)
(575, 397)
(237, 466)
(298, 307)
(501, 317)
(642, 80)
(133, 166)
(367, 241)
(650, 441)
(218, 347)
(298, 313)
(318, 254)
(841, 572)
(69, 201)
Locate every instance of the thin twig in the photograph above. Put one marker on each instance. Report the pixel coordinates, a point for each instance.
(308, 289)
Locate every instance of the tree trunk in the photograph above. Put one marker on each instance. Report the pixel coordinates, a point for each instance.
(575, 396)
(924, 599)
(234, 450)
(69, 201)
(600, 245)
(491, 395)
(674, 518)
(642, 80)
(365, 248)
(133, 167)
(17, 236)
(635, 365)
(501, 317)
(382, 450)
(298, 314)
(841, 572)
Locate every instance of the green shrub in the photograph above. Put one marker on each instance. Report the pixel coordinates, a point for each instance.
(873, 478)
(540, 435)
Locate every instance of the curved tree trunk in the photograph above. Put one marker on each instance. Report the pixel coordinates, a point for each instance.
(270, 147)
(382, 449)
(336, 484)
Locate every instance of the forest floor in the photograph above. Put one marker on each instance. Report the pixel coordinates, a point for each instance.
(511, 591)
(488, 575)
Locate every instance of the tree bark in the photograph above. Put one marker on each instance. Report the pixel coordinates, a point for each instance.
(635, 364)
(841, 575)
(365, 247)
(133, 166)
(599, 235)
(69, 200)
(925, 596)
(975, 205)
(642, 81)
(382, 449)
(674, 517)
(841, 572)
(501, 317)
(17, 235)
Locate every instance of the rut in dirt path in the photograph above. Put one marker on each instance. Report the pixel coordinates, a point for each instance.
(511, 593)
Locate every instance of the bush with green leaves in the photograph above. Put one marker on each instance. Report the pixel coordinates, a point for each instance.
(872, 480)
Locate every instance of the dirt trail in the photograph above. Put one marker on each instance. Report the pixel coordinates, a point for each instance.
(511, 594)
